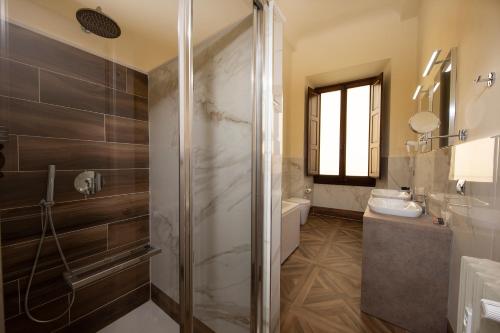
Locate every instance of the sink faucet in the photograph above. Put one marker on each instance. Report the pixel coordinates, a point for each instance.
(422, 200)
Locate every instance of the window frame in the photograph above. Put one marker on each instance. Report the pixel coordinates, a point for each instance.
(342, 179)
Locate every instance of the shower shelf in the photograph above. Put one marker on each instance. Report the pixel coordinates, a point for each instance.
(90, 273)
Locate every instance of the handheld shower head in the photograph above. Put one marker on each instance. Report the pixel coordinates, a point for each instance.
(50, 184)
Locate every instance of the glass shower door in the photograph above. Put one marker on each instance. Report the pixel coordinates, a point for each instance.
(221, 164)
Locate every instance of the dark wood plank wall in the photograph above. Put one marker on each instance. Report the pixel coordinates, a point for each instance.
(66, 107)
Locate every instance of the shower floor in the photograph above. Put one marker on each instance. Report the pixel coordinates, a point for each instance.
(146, 318)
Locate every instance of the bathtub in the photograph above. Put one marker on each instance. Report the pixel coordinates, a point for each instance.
(290, 228)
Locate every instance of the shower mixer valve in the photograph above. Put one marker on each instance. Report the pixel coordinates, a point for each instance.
(88, 182)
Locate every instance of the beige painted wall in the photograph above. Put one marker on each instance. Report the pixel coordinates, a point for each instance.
(381, 35)
(474, 27)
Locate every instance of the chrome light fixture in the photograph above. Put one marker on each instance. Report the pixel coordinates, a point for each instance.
(432, 62)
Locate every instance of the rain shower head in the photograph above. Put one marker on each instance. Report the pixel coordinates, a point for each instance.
(94, 21)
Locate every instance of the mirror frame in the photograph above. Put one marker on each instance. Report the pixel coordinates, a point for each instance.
(451, 58)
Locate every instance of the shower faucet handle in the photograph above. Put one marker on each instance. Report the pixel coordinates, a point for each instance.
(88, 182)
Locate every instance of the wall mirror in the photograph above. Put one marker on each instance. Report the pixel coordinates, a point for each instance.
(442, 95)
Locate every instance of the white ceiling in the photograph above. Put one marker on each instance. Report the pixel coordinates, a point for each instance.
(149, 27)
(305, 17)
(156, 19)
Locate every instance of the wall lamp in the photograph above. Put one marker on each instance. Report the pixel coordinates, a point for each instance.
(432, 61)
(418, 91)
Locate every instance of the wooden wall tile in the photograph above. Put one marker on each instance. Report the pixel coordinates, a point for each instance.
(37, 153)
(28, 188)
(22, 324)
(18, 80)
(38, 119)
(108, 289)
(130, 106)
(19, 224)
(47, 285)
(123, 232)
(37, 50)
(137, 83)
(10, 154)
(67, 107)
(66, 91)
(17, 259)
(11, 299)
(107, 314)
(126, 130)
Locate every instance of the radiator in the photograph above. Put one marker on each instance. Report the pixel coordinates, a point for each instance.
(479, 296)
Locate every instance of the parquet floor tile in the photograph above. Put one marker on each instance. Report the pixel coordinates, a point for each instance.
(321, 281)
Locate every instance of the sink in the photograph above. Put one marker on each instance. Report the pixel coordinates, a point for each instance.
(395, 207)
(390, 194)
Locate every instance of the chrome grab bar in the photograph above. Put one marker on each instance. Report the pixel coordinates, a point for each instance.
(90, 273)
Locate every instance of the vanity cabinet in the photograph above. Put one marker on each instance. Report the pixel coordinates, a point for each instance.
(405, 271)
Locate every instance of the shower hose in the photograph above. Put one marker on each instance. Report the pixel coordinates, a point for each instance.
(46, 218)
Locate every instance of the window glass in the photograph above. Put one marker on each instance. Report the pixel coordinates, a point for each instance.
(357, 131)
(330, 133)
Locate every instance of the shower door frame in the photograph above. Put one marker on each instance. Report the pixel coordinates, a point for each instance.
(260, 215)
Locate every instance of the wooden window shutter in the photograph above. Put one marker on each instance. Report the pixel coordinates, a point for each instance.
(375, 119)
(313, 128)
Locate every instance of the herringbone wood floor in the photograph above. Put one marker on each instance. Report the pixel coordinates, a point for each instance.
(321, 281)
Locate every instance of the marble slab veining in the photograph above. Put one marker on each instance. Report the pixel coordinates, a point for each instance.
(221, 178)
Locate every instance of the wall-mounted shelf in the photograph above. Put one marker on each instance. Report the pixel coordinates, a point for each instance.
(90, 273)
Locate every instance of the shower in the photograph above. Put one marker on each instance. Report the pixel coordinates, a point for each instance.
(46, 219)
(92, 236)
(94, 21)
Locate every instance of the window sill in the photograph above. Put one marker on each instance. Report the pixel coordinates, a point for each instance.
(348, 181)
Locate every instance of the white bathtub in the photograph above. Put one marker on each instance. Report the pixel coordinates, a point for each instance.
(290, 228)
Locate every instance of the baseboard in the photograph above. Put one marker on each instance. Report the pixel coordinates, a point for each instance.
(449, 329)
(171, 307)
(338, 213)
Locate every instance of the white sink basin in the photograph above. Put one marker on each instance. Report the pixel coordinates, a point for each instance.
(390, 194)
(395, 207)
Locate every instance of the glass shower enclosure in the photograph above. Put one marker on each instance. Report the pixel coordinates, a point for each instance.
(140, 155)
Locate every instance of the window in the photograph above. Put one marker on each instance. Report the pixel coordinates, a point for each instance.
(344, 132)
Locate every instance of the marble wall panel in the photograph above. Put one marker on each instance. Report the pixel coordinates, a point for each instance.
(474, 217)
(396, 173)
(221, 160)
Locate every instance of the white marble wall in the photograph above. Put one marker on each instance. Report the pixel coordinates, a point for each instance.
(294, 180)
(222, 147)
(164, 176)
(396, 172)
(474, 218)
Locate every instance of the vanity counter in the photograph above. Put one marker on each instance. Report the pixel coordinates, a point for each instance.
(405, 271)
